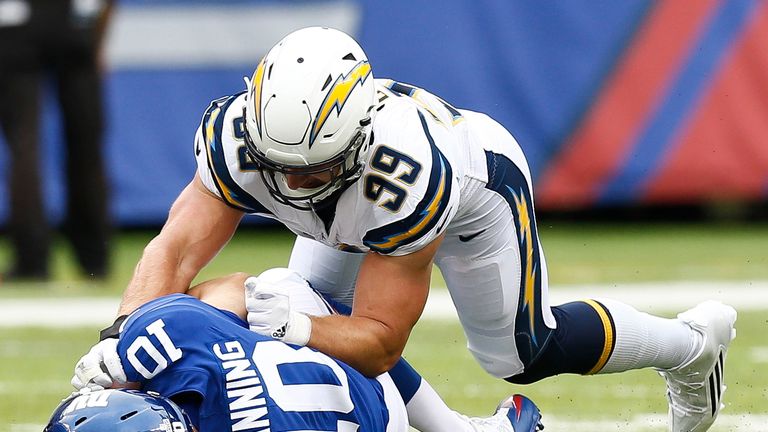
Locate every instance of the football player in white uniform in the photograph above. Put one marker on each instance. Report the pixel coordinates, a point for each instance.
(380, 179)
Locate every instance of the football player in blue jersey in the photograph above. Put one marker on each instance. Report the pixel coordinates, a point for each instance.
(225, 377)
(381, 179)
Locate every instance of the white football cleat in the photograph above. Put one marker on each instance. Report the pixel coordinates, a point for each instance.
(695, 389)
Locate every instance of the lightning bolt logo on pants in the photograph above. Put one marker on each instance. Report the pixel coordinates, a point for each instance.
(526, 247)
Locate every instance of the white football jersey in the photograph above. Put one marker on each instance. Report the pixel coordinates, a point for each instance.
(409, 191)
(431, 170)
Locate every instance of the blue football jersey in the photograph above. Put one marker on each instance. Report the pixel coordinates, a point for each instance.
(248, 382)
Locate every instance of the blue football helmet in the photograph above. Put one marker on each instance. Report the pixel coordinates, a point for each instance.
(118, 411)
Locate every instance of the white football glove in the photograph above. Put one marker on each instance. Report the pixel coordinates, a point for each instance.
(269, 308)
(100, 368)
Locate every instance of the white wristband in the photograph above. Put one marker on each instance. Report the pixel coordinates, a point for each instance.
(298, 330)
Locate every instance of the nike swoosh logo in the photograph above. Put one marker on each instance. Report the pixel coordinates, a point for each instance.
(466, 238)
(197, 149)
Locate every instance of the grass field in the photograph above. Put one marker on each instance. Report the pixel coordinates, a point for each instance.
(36, 363)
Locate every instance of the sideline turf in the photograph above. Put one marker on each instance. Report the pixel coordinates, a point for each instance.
(575, 254)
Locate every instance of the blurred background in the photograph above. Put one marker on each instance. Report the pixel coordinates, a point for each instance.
(616, 104)
(645, 125)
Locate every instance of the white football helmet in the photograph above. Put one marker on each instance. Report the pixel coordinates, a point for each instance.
(308, 111)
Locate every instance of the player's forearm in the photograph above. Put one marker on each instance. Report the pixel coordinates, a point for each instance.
(385, 310)
(161, 271)
(363, 343)
(198, 226)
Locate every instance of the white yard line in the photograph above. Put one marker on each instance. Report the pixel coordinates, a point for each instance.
(652, 297)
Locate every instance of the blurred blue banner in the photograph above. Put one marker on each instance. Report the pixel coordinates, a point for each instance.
(613, 102)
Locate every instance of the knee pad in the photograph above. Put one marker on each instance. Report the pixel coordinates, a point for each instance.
(581, 343)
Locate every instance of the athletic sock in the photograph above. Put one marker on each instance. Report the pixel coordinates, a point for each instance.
(426, 410)
(644, 340)
(428, 413)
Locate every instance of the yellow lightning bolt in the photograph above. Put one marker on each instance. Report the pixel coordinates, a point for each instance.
(339, 94)
(527, 236)
(255, 97)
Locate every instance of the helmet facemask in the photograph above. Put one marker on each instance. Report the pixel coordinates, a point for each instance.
(344, 169)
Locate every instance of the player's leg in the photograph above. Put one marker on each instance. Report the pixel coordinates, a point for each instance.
(426, 409)
(587, 337)
(28, 227)
(328, 270)
(87, 225)
(605, 336)
(501, 299)
(498, 282)
(428, 412)
(689, 352)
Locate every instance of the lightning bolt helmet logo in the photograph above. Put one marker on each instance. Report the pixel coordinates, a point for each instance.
(308, 110)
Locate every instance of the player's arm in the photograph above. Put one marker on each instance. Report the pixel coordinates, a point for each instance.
(390, 295)
(198, 226)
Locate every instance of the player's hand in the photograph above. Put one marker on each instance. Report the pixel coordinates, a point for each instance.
(269, 311)
(100, 368)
